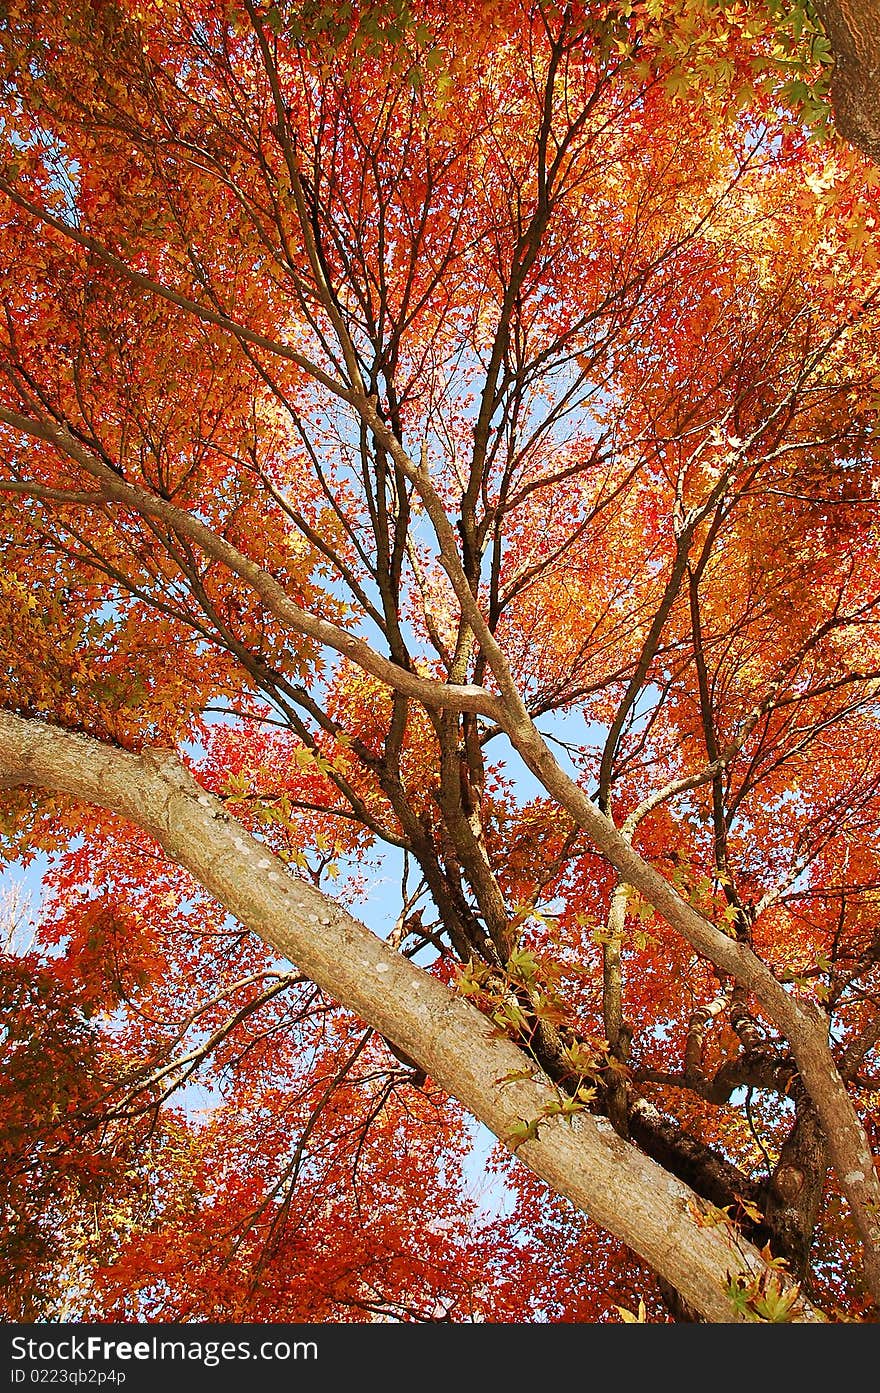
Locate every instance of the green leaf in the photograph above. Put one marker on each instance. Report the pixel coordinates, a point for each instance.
(522, 1132)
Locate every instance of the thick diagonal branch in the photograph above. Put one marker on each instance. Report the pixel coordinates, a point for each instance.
(584, 1160)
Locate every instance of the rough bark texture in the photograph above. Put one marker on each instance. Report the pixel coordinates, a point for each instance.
(794, 1194)
(853, 28)
(624, 1191)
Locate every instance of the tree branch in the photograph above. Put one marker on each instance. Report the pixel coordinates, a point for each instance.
(623, 1190)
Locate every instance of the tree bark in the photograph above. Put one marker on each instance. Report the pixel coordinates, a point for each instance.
(853, 29)
(794, 1193)
(583, 1159)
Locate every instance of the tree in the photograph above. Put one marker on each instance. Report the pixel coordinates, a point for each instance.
(421, 442)
(853, 32)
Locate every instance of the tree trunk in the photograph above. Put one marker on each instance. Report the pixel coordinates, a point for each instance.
(853, 28)
(621, 1189)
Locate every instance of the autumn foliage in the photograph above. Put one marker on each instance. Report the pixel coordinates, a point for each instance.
(452, 429)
